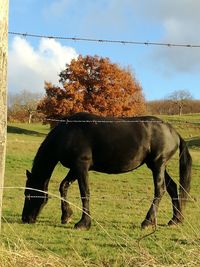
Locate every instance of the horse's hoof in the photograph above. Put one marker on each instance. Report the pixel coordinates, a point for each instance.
(82, 225)
(66, 220)
(66, 216)
(146, 223)
(174, 222)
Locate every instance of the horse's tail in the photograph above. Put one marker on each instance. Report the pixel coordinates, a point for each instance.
(185, 166)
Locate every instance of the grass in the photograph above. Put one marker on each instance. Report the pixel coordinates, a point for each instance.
(118, 205)
(187, 125)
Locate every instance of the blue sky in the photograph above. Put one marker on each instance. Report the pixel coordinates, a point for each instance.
(160, 70)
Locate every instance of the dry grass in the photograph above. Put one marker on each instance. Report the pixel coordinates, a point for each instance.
(22, 257)
(26, 258)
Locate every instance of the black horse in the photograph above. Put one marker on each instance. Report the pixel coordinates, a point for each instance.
(110, 145)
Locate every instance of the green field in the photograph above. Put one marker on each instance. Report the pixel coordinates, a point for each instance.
(118, 205)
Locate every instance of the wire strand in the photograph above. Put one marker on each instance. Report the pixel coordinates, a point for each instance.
(120, 120)
(139, 43)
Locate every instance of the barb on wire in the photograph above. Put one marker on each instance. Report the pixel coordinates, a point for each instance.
(105, 40)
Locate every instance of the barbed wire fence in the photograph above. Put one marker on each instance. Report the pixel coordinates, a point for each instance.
(105, 41)
(108, 41)
(122, 42)
(122, 235)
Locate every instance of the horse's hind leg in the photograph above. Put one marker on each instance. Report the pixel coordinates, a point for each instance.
(65, 207)
(158, 170)
(172, 191)
(82, 177)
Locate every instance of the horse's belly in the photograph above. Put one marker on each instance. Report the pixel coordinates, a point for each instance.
(119, 166)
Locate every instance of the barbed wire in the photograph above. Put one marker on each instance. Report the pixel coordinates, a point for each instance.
(102, 121)
(113, 119)
(108, 197)
(124, 42)
(119, 120)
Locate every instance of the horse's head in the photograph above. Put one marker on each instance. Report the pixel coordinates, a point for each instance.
(35, 199)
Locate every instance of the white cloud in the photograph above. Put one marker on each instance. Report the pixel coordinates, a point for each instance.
(178, 22)
(29, 67)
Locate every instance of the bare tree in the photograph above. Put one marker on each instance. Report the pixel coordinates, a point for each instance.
(168, 107)
(22, 105)
(180, 97)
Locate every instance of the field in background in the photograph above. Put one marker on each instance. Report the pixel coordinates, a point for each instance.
(118, 205)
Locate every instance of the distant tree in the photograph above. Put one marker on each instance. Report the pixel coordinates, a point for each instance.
(168, 107)
(22, 105)
(180, 97)
(93, 84)
(161, 107)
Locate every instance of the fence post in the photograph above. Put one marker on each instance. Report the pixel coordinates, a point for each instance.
(3, 92)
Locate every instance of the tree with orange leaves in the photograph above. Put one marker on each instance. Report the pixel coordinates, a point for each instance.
(95, 85)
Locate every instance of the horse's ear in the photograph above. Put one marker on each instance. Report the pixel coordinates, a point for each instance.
(28, 174)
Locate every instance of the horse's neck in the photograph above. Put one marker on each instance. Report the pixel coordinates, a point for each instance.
(43, 165)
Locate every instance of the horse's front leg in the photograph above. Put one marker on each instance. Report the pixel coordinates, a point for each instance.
(159, 190)
(65, 207)
(85, 221)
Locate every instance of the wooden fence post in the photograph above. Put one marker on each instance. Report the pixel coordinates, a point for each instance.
(3, 92)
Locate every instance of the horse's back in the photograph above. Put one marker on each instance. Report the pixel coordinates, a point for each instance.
(115, 144)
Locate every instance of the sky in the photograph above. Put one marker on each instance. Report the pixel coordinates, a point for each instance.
(160, 70)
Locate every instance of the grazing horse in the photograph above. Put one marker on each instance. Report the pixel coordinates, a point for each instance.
(110, 145)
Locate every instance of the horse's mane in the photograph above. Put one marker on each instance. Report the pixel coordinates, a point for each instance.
(44, 154)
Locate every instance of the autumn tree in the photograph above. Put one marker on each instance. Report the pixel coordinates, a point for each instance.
(93, 84)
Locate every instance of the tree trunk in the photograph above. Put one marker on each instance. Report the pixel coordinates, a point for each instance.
(180, 109)
(30, 117)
